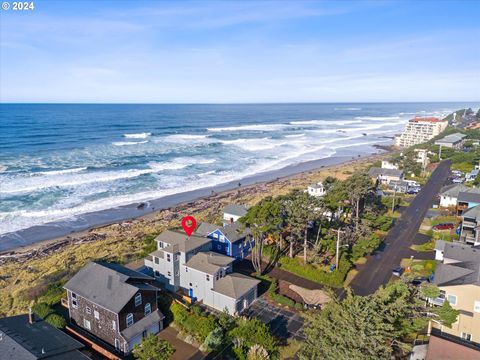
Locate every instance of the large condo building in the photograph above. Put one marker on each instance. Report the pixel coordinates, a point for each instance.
(420, 130)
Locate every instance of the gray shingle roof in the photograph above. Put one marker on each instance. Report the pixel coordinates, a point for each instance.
(235, 232)
(451, 139)
(108, 285)
(180, 242)
(376, 172)
(235, 209)
(453, 190)
(206, 228)
(461, 252)
(235, 285)
(142, 325)
(209, 262)
(469, 197)
(24, 341)
(472, 213)
(464, 273)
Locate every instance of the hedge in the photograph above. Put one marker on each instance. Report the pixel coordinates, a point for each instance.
(198, 325)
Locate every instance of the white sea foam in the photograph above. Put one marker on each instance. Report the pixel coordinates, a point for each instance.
(129, 143)
(325, 122)
(137, 136)
(59, 172)
(257, 127)
(347, 109)
(294, 135)
(377, 118)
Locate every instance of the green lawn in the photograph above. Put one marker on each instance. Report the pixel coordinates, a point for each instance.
(418, 267)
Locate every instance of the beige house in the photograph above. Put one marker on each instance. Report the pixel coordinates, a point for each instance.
(458, 278)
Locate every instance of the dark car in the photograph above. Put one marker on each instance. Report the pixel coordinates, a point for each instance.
(443, 226)
(398, 271)
(419, 280)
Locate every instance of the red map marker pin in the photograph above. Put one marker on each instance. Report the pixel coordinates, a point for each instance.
(189, 228)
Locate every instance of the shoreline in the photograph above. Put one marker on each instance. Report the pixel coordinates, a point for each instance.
(51, 236)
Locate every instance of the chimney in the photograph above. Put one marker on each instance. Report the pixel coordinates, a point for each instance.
(30, 315)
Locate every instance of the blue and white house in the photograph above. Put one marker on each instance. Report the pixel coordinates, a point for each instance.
(231, 240)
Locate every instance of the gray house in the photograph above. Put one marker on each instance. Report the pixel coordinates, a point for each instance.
(186, 264)
(454, 141)
(114, 303)
(26, 337)
(385, 176)
(471, 226)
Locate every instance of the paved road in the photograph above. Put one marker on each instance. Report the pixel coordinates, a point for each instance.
(378, 269)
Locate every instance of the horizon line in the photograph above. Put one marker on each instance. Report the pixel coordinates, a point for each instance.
(239, 103)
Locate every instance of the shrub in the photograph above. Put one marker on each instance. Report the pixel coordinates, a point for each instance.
(56, 321)
(214, 340)
(253, 332)
(42, 310)
(197, 325)
(152, 348)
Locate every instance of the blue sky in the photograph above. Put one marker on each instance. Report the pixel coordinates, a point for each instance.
(251, 51)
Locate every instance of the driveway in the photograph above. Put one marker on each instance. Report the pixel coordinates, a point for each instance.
(183, 351)
(282, 323)
(378, 269)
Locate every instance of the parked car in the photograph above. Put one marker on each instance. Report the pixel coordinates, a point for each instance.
(398, 271)
(443, 226)
(457, 181)
(419, 280)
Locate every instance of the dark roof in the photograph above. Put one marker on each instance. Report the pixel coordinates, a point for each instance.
(235, 232)
(469, 197)
(235, 209)
(472, 213)
(460, 252)
(376, 172)
(206, 228)
(108, 285)
(450, 349)
(209, 262)
(451, 139)
(464, 273)
(140, 326)
(181, 242)
(20, 340)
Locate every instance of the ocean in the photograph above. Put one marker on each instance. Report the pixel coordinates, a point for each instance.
(62, 161)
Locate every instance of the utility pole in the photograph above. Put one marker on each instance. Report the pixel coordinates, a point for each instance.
(394, 195)
(440, 153)
(337, 254)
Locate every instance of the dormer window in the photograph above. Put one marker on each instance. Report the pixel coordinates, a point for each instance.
(160, 245)
(129, 320)
(138, 299)
(148, 309)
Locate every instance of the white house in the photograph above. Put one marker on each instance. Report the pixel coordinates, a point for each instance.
(449, 194)
(188, 265)
(388, 165)
(233, 212)
(384, 176)
(317, 190)
(422, 157)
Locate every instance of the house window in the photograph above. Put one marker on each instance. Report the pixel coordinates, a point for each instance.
(88, 310)
(157, 273)
(74, 303)
(74, 296)
(476, 306)
(96, 315)
(190, 284)
(222, 238)
(219, 247)
(169, 273)
(168, 257)
(452, 299)
(208, 277)
(138, 299)
(114, 325)
(160, 244)
(186, 269)
(157, 260)
(129, 320)
(215, 236)
(216, 276)
(467, 337)
(86, 324)
(148, 309)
